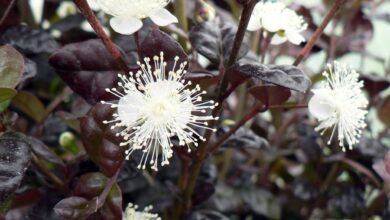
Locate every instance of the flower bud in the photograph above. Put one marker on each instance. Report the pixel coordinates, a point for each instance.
(68, 141)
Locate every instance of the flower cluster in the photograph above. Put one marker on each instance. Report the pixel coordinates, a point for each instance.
(131, 213)
(154, 106)
(340, 104)
(128, 14)
(275, 18)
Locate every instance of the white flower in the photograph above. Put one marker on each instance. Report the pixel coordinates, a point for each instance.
(94, 5)
(66, 9)
(282, 22)
(340, 104)
(127, 14)
(131, 213)
(155, 105)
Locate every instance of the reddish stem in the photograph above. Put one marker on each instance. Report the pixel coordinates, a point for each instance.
(110, 183)
(97, 27)
(242, 122)
(7, 11)
(309, 46)
(137, 44)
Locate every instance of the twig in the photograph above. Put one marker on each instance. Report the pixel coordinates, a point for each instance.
(7, 11)
(288, 106)
(103, 196)
(238, 39)
(97, 27)
(48, 174)
(245, 17)
(202, 150)
(309, 46)
(58, 100)
(232, 88)
(243, 121)
(137, 44)
(180, 12)
(264, 48)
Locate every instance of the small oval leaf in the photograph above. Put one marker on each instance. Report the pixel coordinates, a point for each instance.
(100, 141)
(11, 67)
(30, 105)
(283, 75)
(270, 95)
(6, 94)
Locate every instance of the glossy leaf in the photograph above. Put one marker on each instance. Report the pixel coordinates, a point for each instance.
(88, 69)
(270, 95)
(215, 41)
(100, 141)
(76, 207)
(91, 185)
(29, 40)
(14, 160)
(43, 151)
(157, 41)
(203, 78)
(283, 75)
(11, 67)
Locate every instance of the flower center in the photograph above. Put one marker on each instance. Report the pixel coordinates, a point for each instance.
(160, 111)
(163, 102)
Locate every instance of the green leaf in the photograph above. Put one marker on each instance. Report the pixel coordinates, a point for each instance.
(11, 67)
(29, 105)
(6, 93)
(4, 105)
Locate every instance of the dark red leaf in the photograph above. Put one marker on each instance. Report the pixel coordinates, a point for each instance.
(270, 95)
(88, 69)
(100, 141)
(91, 185)
(156, 42)
(76, 207)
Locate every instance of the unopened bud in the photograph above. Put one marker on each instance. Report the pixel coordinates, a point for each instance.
(68, 141)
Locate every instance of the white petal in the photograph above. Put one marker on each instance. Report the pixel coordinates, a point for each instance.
(295, 37)
(128, 110)
(94, 5)
(125, 26)
(320, 105)
(163, 17)
(254, 23)
(272, 22)
(277, 39)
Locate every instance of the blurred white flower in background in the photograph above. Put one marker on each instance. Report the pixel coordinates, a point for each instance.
(65, 9)
(340, 104)
(275, 18)
(128, 14)
(94, 5)
(131, 213)
(155, 105)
